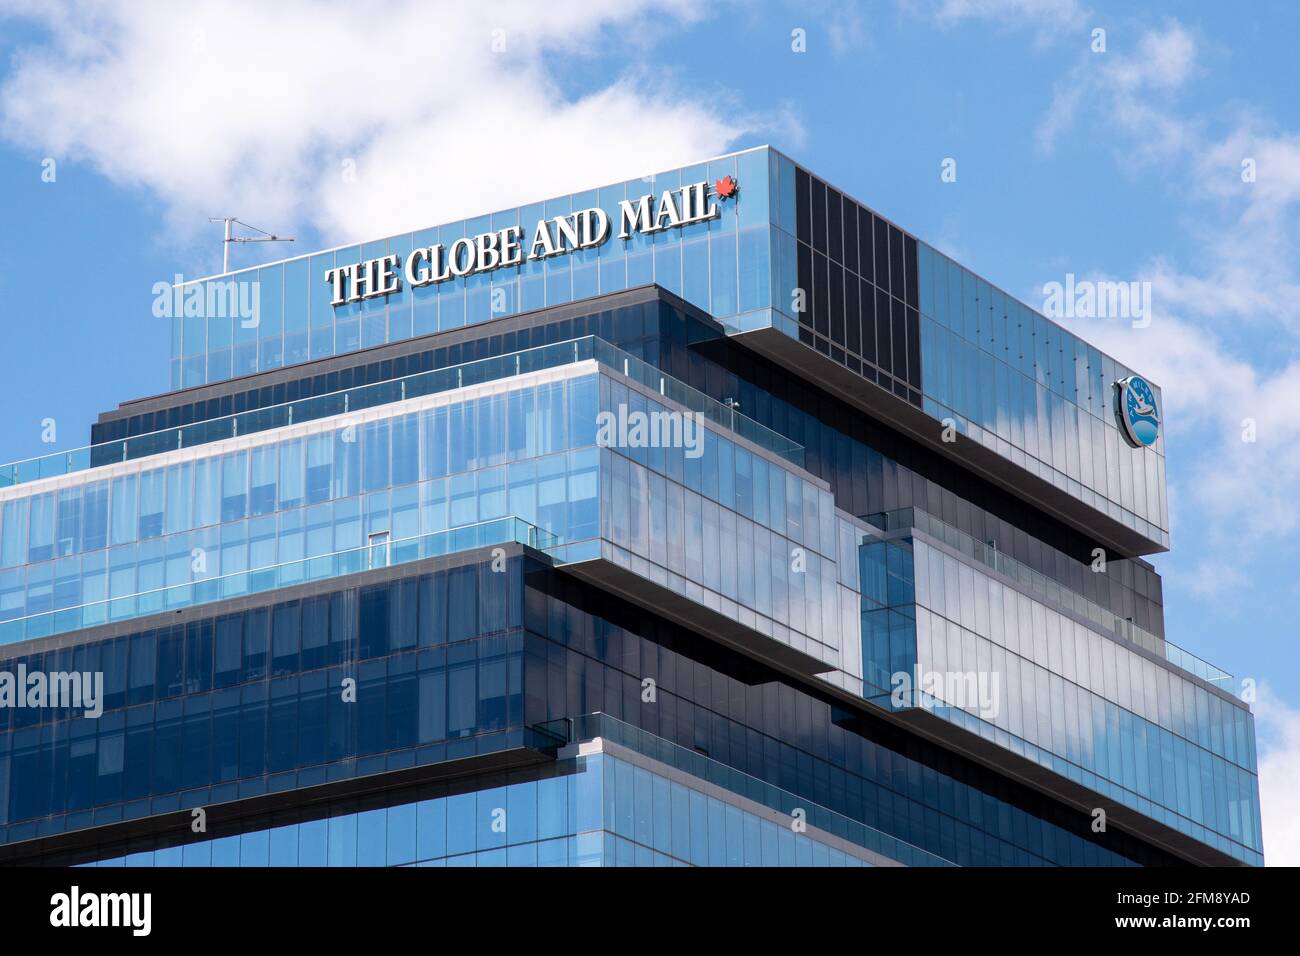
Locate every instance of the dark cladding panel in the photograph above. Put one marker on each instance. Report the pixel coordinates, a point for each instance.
(858, 276)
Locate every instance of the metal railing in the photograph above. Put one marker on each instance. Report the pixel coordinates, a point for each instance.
(272, 577)
(703, 767)
(396, 390)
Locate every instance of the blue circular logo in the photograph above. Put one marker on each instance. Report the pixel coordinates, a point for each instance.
(1137, 410)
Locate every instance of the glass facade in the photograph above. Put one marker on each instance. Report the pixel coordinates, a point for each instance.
(465, 663)
(1092, 708)
(133, 544)
(870, 469)
(603, 812)
(248, 703)
(164, 535)
(873, 470)
(888, 616)
(429, 520)
(895, 311)
(1024, 387)
(722, 266)
(788, 252)
(717, 703)
(729, 525)
(1096, 710)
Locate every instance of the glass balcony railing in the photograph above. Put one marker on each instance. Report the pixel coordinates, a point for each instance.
(591, 726)
(376, 554)
(715, 411)
(1053, 591)
(396, 390)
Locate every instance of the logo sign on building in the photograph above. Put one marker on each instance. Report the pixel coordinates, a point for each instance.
(1137, 411)
(511, 246)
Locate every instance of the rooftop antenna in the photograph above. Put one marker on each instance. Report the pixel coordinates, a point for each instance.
(231, 222)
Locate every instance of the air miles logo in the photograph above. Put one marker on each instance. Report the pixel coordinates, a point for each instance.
(1137, 411)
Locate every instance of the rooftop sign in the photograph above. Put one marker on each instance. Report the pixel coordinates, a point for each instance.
(501, 248)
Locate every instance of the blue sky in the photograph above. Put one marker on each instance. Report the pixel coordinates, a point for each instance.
(1122, 164)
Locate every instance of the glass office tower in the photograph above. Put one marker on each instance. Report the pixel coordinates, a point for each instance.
(704, 519)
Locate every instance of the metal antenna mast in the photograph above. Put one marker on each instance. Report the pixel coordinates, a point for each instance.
(230, 222)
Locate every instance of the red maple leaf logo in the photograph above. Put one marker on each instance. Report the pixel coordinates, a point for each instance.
(725, 187)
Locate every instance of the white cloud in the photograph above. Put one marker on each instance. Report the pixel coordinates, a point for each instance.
(1223, 345)
(1278, 730)
(1126, 93)
(257, 109)
(1208, 579)
(1163, 61)
(1248, 259)
(1224, 340)
(1048, 19)
(845, 25)
(1239, 286)
(1244, 493)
